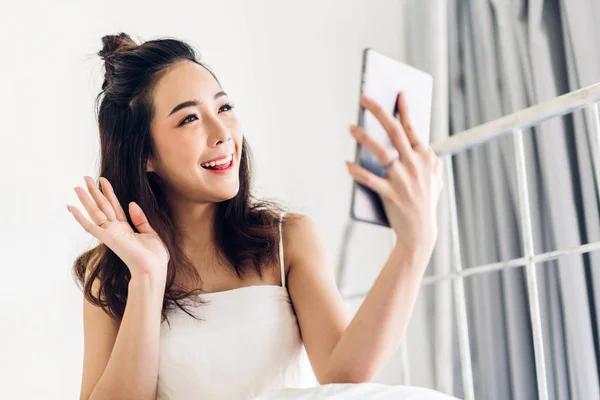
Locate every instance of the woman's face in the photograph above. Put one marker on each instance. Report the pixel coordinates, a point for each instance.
(194, 124)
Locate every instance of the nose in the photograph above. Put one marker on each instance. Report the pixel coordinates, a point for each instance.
(218, 132)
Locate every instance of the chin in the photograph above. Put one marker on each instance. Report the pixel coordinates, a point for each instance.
(227, 194)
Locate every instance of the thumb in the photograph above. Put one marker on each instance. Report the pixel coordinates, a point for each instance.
(139, 218)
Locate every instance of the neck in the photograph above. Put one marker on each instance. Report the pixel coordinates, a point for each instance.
(194, 222)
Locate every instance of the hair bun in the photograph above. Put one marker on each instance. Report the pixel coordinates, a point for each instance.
(112, 45)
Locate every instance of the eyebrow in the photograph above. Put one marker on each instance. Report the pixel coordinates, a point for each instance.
(193, 103)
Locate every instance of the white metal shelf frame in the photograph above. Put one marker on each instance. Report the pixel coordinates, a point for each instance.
(587, 99)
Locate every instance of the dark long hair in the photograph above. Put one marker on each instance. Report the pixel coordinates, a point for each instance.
(246, 235)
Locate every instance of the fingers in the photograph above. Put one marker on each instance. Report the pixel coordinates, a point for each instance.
(139, 218)
(379, 151)
(369, 179)
(405, 121)
(102, 203)
(112, 198)
(86, 224)
(391, 126)
(92, 209)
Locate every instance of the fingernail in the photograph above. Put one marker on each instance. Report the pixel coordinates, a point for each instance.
(68, 209)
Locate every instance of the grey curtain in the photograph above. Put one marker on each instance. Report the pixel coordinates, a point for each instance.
(505, 56)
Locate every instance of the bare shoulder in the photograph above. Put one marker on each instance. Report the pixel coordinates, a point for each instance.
(100, 332)
(296, 223)
(300, 234)
(91, 309)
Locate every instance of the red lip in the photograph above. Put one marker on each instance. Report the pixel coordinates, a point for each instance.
(223, 171)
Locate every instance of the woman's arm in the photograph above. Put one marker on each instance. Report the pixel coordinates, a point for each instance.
(379, 324)
(410, 192)
(131, 371)
(122, 362)
(343, 350)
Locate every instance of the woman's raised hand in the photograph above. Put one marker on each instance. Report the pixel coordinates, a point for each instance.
(144, 253)
(411, 188)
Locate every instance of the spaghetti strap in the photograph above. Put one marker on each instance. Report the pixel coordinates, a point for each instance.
(281, 263)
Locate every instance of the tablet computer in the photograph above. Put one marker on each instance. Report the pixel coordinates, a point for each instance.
(383, 78)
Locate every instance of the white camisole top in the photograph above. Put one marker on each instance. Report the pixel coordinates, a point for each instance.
(247, 343)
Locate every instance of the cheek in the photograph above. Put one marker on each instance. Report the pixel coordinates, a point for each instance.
(238, 137)
(239, 140)
(235, 130)
(181, 155)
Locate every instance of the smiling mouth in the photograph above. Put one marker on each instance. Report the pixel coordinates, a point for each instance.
(223, 163)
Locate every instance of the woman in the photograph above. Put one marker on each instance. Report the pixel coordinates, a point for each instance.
(199, 290)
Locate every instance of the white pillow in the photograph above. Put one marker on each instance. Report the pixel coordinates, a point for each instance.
(355, 391)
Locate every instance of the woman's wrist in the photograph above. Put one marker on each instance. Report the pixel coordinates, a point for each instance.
(148, 282)
(413, 260)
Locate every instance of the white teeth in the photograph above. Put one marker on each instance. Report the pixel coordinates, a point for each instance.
(220, 162)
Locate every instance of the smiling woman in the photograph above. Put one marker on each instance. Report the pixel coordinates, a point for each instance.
(200, 290)
(172, 146)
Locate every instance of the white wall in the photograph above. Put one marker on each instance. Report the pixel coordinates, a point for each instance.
(292, 69)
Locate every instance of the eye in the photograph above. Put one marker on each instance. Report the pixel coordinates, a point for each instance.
(188, 119)
(228, 105)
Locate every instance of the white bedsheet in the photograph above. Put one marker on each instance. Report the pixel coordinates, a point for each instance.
(355, 391)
